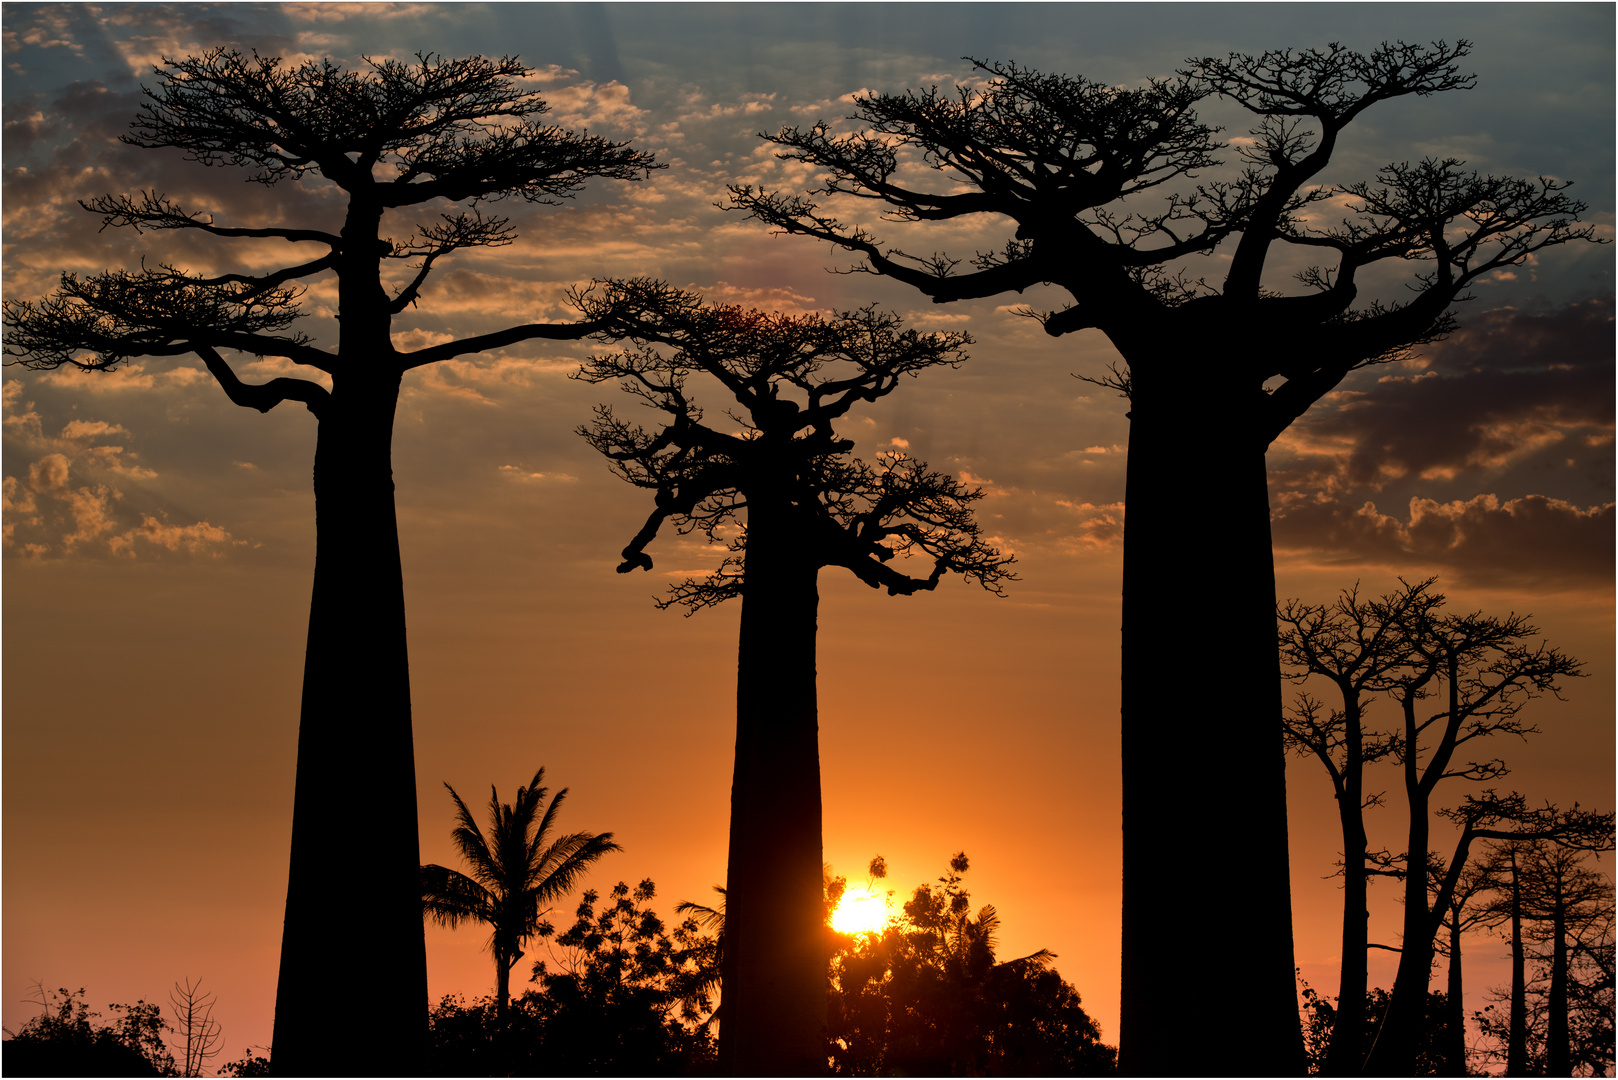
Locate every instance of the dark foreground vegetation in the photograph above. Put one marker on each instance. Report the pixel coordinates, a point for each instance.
(622, 992)
(67, 1039)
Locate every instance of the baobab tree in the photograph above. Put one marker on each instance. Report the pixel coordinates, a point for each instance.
(1468, 909)
(1095, 187)
(390, 137)
(1356, 645)
(1550, 898)
(776, 486)
(1481, 670)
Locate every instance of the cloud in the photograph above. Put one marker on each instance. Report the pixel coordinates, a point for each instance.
(48, 515)
(1508, 387)
(1484, 540)
(1521, 399)
(783, 299)
(518, 473)
(1098, 527)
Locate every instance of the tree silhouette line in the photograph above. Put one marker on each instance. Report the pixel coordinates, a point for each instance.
(1099, 186)
(1456, 681)
(621, 992)
(66, 1038)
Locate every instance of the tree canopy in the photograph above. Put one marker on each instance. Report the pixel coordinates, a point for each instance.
(794, 377)
(927, 996)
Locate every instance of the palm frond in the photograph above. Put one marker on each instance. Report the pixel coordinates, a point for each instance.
(449, 897)
(707, 917)
(565, 861)
(469, 841)
(513, 872)
(536, 842)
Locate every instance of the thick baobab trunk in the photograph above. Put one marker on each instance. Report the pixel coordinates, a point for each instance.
(352, 992)
(775, 945)
(1206, 892)
(1455, 1006)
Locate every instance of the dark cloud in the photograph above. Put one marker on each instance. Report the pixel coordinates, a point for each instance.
(1519, 401)
(1484, 541)
(1507, 385)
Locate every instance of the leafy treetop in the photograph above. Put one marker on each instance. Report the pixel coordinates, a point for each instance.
(793, 377)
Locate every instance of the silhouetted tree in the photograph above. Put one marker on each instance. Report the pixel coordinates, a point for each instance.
(250, 1063)
(390, 137)
(1468, 908)
(926, 997)
(1071, 167)
(708, 954)
(197, 1032)
(1320, 1019)
(618, 996)
(806, 506)
(67, 1039)
(627, 996)
(1570, 903)
(1560, 917)
(1482, 669)
(516, 869)
(1356, 645)
(473, 1039)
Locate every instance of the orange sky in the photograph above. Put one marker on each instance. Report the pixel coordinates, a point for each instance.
(154, 629)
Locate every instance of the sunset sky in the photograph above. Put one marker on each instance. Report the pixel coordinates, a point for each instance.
(159, 540)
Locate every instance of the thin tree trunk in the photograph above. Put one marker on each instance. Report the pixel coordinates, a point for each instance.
(1455, 1008)
(502, 985)
(1557, 1048)
(1201, 743)
(354, 748)
(1345, 1054)
(1517, 1024)
(776, 953)
(1394, 1052)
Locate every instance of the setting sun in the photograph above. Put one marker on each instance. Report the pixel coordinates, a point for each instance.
(860, 911)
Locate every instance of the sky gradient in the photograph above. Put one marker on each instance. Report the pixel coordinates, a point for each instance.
(159, 540)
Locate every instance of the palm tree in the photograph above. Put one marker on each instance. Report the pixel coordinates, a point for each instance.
(709, 956)
(514, 873)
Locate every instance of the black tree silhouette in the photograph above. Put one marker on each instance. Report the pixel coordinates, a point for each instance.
(1481, 670)
(807, 506)
(1072, 167)
(516, 869)
(393, 136)
(1356, 645)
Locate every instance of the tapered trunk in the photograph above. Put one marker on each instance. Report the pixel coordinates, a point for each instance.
(1397, 1040)
(354, 751)
(1517, 1017)
(1455, 1006)
(1204, 781)
(776, 950)
(1346, 1052)
(1557, 1049)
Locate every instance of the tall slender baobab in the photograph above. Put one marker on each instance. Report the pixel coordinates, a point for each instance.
(390, 137)
(776, 485)
(1096, 186)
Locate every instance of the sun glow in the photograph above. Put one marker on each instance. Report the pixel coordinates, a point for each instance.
(860, 911)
